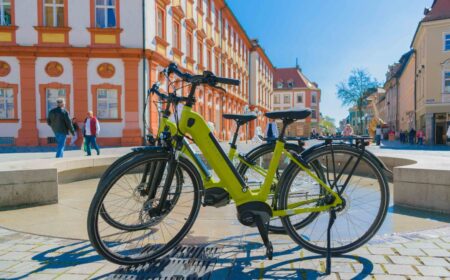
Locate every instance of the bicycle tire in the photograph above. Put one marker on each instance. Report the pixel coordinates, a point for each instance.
(305, 240)
(93, 215)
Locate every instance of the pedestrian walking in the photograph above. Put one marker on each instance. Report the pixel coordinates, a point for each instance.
(348, 133)
(76, 129)
(91, 131)
(420, 136)
(378, 135)
(412, 136)
(271, 131)
(58, 119)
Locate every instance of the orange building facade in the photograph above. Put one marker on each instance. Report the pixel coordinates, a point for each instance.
(102, 55)
(292, 89)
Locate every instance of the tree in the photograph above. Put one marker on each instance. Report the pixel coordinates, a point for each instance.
(327, 125)
(352, 92)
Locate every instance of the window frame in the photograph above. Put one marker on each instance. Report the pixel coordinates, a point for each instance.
(176, 38)
(94, 94)
(11, 9)
(43, 94)
(54, 7)
(106, 7)
(190, 42)
(286, 96)
(445, 39)
(444, 79)
(301, 95)
(163, 22)
(200, 53)
(14, 88)
(313, 97)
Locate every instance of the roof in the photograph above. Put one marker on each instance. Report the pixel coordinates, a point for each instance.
(285, 75)
(440, 9)
(404, 61)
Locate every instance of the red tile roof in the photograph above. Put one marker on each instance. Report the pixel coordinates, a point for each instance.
(285, 75)
(439, 10)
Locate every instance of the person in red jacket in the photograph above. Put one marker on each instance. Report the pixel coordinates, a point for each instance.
(91, 130)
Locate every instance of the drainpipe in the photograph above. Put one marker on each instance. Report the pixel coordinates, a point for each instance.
(415, 89)
(144, 73)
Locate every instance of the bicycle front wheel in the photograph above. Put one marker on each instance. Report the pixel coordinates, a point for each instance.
(160, 226)
(364, 190)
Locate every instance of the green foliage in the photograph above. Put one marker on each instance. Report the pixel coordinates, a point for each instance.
(352, 92)
(327, 125)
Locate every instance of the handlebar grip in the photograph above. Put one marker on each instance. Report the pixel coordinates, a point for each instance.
(227, 81)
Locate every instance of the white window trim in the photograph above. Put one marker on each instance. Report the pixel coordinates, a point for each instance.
(302, 94)
(105, 8)
(2, 12)
(5, 103)
(54, 7)
(444, 41)
(443, 80)
(108, 90)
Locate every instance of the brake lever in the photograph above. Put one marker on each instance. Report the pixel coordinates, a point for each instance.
(220, 88)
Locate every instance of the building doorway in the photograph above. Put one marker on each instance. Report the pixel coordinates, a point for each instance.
(440, 128)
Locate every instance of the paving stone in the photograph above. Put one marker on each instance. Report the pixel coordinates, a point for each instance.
(381, 251)
(437, 252)
(72, 277)
(41, 276)
(400, 269)
(404, 260)
(424, 278)
(433, 271)
(375, 258)
(388, 277)
(421, 245)
(410, 252)
(88, 268)
(376, 268)
(15, 256)
(443, 245)
(432, 261)
(4, 265)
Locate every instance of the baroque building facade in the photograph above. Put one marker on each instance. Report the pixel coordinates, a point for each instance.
(102, 55)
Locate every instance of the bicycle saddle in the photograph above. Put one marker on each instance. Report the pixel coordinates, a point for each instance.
(291, 114)
(240, 119)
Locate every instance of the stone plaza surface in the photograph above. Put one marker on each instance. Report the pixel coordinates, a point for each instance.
(49, 242)
(419, 255)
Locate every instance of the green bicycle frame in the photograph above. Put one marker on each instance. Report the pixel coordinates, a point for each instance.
(193, 124)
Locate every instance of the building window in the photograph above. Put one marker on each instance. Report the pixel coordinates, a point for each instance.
(6, 103)
(314, 97)
(299, 98)
(313, 114)
(160, 26)
(105, 13)
(447, 42)
(280, 85)
(276, 99)
(176, 35)
(54, 13)
(286, 99)
(51, 95)
(200, 53)
(290, 84)
(189, 44)
(447, 82)
(5, 13)
(107, 104)
(209, 62)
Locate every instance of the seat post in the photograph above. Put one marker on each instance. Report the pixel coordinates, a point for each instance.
(286, 122)
(235, 136)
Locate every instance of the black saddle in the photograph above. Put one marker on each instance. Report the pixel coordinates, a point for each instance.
(240, 119)
(291, 114)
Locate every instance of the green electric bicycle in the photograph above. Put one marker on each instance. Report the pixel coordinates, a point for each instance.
(251, 166)
(344, 207)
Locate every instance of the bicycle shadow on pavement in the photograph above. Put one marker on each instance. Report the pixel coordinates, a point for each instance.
(64, 256)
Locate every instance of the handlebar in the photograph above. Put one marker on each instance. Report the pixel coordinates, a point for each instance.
(207, 78)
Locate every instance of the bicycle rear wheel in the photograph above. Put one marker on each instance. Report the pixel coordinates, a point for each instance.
(365, 192)
(164, 227)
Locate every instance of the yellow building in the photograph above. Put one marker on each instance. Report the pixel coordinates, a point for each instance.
(431, 43)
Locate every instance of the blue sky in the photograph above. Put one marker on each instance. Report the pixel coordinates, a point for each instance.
(331, 37)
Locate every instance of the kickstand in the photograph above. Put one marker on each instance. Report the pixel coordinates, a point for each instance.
(330, 224)
(264, 232)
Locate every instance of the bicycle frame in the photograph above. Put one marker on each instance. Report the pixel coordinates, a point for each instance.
(229, 179)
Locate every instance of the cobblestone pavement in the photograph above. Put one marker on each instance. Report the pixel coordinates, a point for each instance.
(420, 255)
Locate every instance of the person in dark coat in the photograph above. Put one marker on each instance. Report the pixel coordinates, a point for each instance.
(58, 119)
